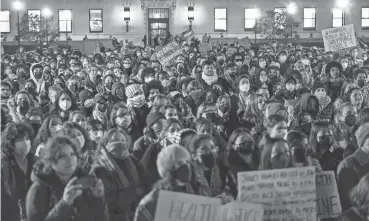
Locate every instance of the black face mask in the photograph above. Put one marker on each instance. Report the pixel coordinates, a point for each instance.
(73, 87)
(224, 108)
(24, 107)
(30, 90)
(361, 83)
(350, 120)
(221, 62)
(299, 155)
(235, 158)
(325, 141)
(109, 85)
(306, 128)
(208, 160)
(35, 126)
(183, 173)
(180, 69)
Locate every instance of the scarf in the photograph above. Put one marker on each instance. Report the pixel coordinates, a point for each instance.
(324, 102)
(98, 115)
(210, 79)
(133, 102)
(110, 164)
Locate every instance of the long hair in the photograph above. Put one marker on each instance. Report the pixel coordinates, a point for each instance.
(114, 110)
(109, 137)
(67, 131)
(73, 100)
(363, 116)
(159, 102)
(313, 142)
(252, 108)
(44, 132)
(166, 126)
(11, 133)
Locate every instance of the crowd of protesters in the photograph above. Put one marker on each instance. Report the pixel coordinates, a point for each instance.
(137, 127)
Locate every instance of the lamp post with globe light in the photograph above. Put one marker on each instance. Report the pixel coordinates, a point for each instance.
(18, 6)
(291, 10)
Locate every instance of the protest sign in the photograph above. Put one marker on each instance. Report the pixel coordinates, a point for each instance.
(205, 39)
(204, 48)
(288, 194)
(245, 42)
(174, 206)
(168, 53)
(339, 38)
(328, 202)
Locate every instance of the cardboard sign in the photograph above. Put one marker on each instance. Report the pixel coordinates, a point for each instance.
(328, 202)
(174, 206)
(288, 194)
(339, 38)
(245, 42)
(168, 53)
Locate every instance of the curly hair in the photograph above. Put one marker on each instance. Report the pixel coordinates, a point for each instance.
(11, 133)
(44, 132)
(67, 131)
(114, 110)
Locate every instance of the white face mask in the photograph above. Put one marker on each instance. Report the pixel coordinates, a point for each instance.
(165, 83)
(126, 65)
(244, 87)
(147, 80)
(65, 105)
(22, 147)
(290, 87)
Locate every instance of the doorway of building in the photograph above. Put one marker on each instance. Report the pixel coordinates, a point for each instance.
(158, 24)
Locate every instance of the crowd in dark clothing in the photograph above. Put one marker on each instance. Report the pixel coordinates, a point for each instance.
(96, 137)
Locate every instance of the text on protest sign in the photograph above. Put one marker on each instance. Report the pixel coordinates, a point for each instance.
(174, 206)
(168, 53)
(328, 202)
(288, 194)
(336, 39)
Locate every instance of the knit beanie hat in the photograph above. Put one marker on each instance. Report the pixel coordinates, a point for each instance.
(169, 157)
(317, 85)
(132, 89)
(154, 117)
(116, 86)
(178, 136)
(362, 134)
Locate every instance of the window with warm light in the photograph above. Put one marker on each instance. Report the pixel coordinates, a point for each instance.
(65, 20)
(220, 19)
(251, 14)
(309, 18)
(365, 18)
(34, 19)
(280, 14)
(5, 21)
(338, 17)
(96, 20)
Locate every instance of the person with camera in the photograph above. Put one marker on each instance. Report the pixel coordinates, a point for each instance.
(60, 190)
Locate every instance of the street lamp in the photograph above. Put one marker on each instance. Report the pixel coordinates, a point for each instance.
(47, 13)
(291, 10)
(18, 6)
(342, 3)
(127, 15)
(191, 15)
(256, 15)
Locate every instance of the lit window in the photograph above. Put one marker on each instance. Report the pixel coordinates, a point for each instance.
(96, 20)
(280, 17)
(34, 19)
(309, 18)
(365, 18)
(220, 19)
(251, 14)
(65, 20)
(4, 21)
(338, 17)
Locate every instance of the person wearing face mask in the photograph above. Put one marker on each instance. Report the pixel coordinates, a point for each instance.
(19, 106)
(334, 79)
(282, 58)
(183, 109)
(325, 102)
(16, 167)
(96, 131)
(73, 84)
(136, 101)
(36, 74)
(276, 155)
(109, 80)
(151, 90)
(206, 157)
(345, 67)
(64, 104)
(155, 122)
(123, 118)
(147, 75)
(22, 76)
(344, 127)
(289, 92)
(276, 128)
(30, 87)
(181, 68)
(167, 137)
(238, 59)
(34, 119)
(178, 175)
(355, 97)
(101, 109)
(118, 92)
(195, 95)
(121, 174)
(253, 117)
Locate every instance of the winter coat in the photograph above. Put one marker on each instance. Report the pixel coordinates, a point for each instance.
(14, 186)
(44, 201)
(349, 173)
(351, 214)
(122, 202)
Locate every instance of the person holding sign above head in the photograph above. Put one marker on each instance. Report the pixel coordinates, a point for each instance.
(359, 197)
(177, 175)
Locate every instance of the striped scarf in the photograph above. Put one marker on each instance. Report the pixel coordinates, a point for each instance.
(216, 183)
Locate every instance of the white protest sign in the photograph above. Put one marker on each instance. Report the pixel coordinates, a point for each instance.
(339, 38)
(288, 194)
(328, 202)
(236, 211)
(174, 206)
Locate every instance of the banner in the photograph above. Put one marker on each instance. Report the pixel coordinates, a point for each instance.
(168, 53)
(174, 206)
(288, 194)
(339, 38)
(328, 202)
